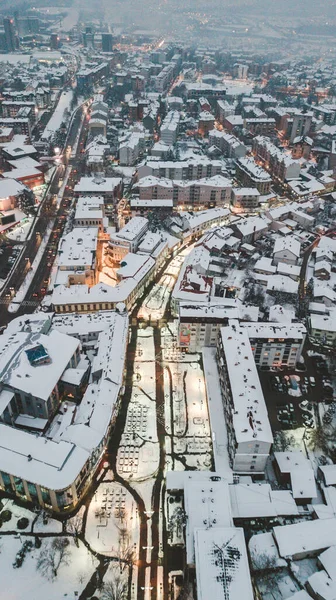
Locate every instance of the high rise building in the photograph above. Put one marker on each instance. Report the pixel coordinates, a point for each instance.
(54, 41)
(107, 42)
(9, 28)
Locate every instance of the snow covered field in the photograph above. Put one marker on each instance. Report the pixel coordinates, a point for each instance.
(138, 455)
(112, 524)
(28, 582)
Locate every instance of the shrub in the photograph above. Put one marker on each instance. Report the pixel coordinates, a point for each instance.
(5, 516)
(22, 523)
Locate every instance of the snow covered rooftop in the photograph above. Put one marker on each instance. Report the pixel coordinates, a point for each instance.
(207, 504)
(254, 500)
(19, 373)
(97, 185)
(249, 415)
(222, 569)
(288, 243)
(274, 330)
(305, 537)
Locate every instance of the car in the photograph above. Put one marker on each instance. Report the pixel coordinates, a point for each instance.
(305, 405)
(312, 381)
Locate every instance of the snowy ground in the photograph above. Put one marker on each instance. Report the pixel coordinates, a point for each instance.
(155, 304)
(186, 412)
(138, 455)
(112, 522)
(27, 582)
(21, 231)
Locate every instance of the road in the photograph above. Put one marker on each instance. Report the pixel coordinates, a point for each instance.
(48, 212)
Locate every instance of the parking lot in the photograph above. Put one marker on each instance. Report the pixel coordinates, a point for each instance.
(291, 396)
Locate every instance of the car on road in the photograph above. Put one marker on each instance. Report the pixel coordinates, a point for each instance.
(312, 381)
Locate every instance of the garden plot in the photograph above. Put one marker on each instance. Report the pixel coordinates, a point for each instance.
(112, 526)
(138, 454)
(185, 397)
(277, 585)
(73, 574)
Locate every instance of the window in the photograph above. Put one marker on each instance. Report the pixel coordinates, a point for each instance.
(7, 482)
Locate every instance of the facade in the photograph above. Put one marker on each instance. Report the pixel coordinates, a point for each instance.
(280, 164)
(127, 239)
(249, 174)
(245, 199)
(276, 344)
(195, 168)
(207, 192)
(229, 144)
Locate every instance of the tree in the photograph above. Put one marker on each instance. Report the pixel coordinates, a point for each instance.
(115, 589)
(283, 441)
(51, 558)
(74, 526)
(263, 562)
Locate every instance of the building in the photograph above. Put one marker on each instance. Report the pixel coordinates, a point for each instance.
(206, 122)
(127, 239)
(169, 127)
(200, 193)
(286, 250)
(229, 144)
(222, 568)
(249, 174)
(130, 148)
(280, 164)
(107, 42)
(249, 431)
(55, 468)
(89, 212)
(10, 36)
(110, 188)
(276, 344)
(193, 168)
(245, 199)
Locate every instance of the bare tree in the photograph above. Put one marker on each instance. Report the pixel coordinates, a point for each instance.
(263, 562)
(115, 589)
(126, 553)
(51, 558)
(74, 526)
(283, 441)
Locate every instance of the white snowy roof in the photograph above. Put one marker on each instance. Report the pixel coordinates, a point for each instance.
(322, 586)
(16, 370)
(274, 330)
(329, 474)
(322, 323)
(207, 504)
(282, 283)
(253, 500)
(133, 228)
(303, 483)
(10, 187)
(278, 314)
(54, 465)
(288, 243)
(97, 185)
(222, 569)
(250, 417)
(305, 537)
(263, 544)
(77, 248)
(328, 561)
(287, 461)
(135, 266)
